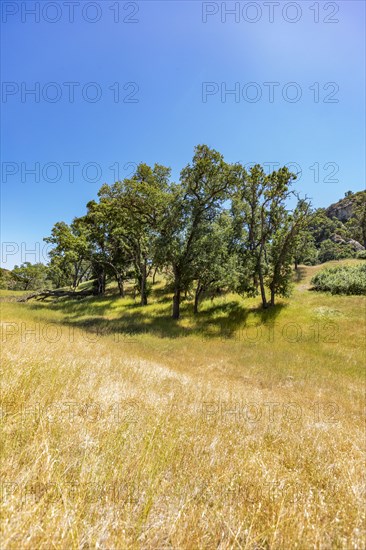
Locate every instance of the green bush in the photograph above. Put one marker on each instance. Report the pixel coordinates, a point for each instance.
(330, 250)
(361, 255)
(341, 280)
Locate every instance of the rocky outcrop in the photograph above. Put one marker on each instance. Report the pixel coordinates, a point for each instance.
(337, 239)
(354, 244)
(343, 210)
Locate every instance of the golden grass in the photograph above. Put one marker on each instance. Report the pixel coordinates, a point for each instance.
(234, 430)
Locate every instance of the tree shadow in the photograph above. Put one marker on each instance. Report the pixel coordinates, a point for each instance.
(300, 274)
(235, 318)
(82, 306)
(223, 320)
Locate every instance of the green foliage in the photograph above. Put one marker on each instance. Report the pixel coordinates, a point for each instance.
(6, 280)
(220, 228)
(322, 228)
(330, 250)
(30, 277)
(356, 225)
(216, 261)
(325, 226)
(132, 213)
(267, 232)
(341, 280)
(361, 255)
(192, 206)
(69, 263)
(305, 251)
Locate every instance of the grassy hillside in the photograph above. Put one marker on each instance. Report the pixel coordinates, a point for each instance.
(236, 429)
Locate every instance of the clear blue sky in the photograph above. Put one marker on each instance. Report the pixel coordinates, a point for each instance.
(171, 50)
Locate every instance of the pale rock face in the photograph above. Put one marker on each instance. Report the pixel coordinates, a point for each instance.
(355, 244)
(342, 212)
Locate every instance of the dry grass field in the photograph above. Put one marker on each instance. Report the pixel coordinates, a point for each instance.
(236, 429)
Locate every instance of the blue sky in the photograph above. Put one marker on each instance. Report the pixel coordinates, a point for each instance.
(172, 62)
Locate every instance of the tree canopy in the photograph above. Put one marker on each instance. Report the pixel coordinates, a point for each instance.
(219, 228)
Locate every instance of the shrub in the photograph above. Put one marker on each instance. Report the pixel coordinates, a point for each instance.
(341, 280)
(330, 250)
(311, 260)
(361, 255)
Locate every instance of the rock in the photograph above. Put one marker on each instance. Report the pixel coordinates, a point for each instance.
(343, 210)
(355, 245)
(337, 239)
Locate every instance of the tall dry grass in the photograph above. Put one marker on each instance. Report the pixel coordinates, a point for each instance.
(187, 437)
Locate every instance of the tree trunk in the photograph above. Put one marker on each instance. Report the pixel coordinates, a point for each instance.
(75, 281)
(120, 286)
(143, 285)
(272, 297)
(263, 292)
(154, 275)
(101, 283)
(176, 302)
(197, 298)
(296, 265)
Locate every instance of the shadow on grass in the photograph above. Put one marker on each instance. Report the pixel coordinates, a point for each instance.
(300, 274)
(221, 320)
(225, 320)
